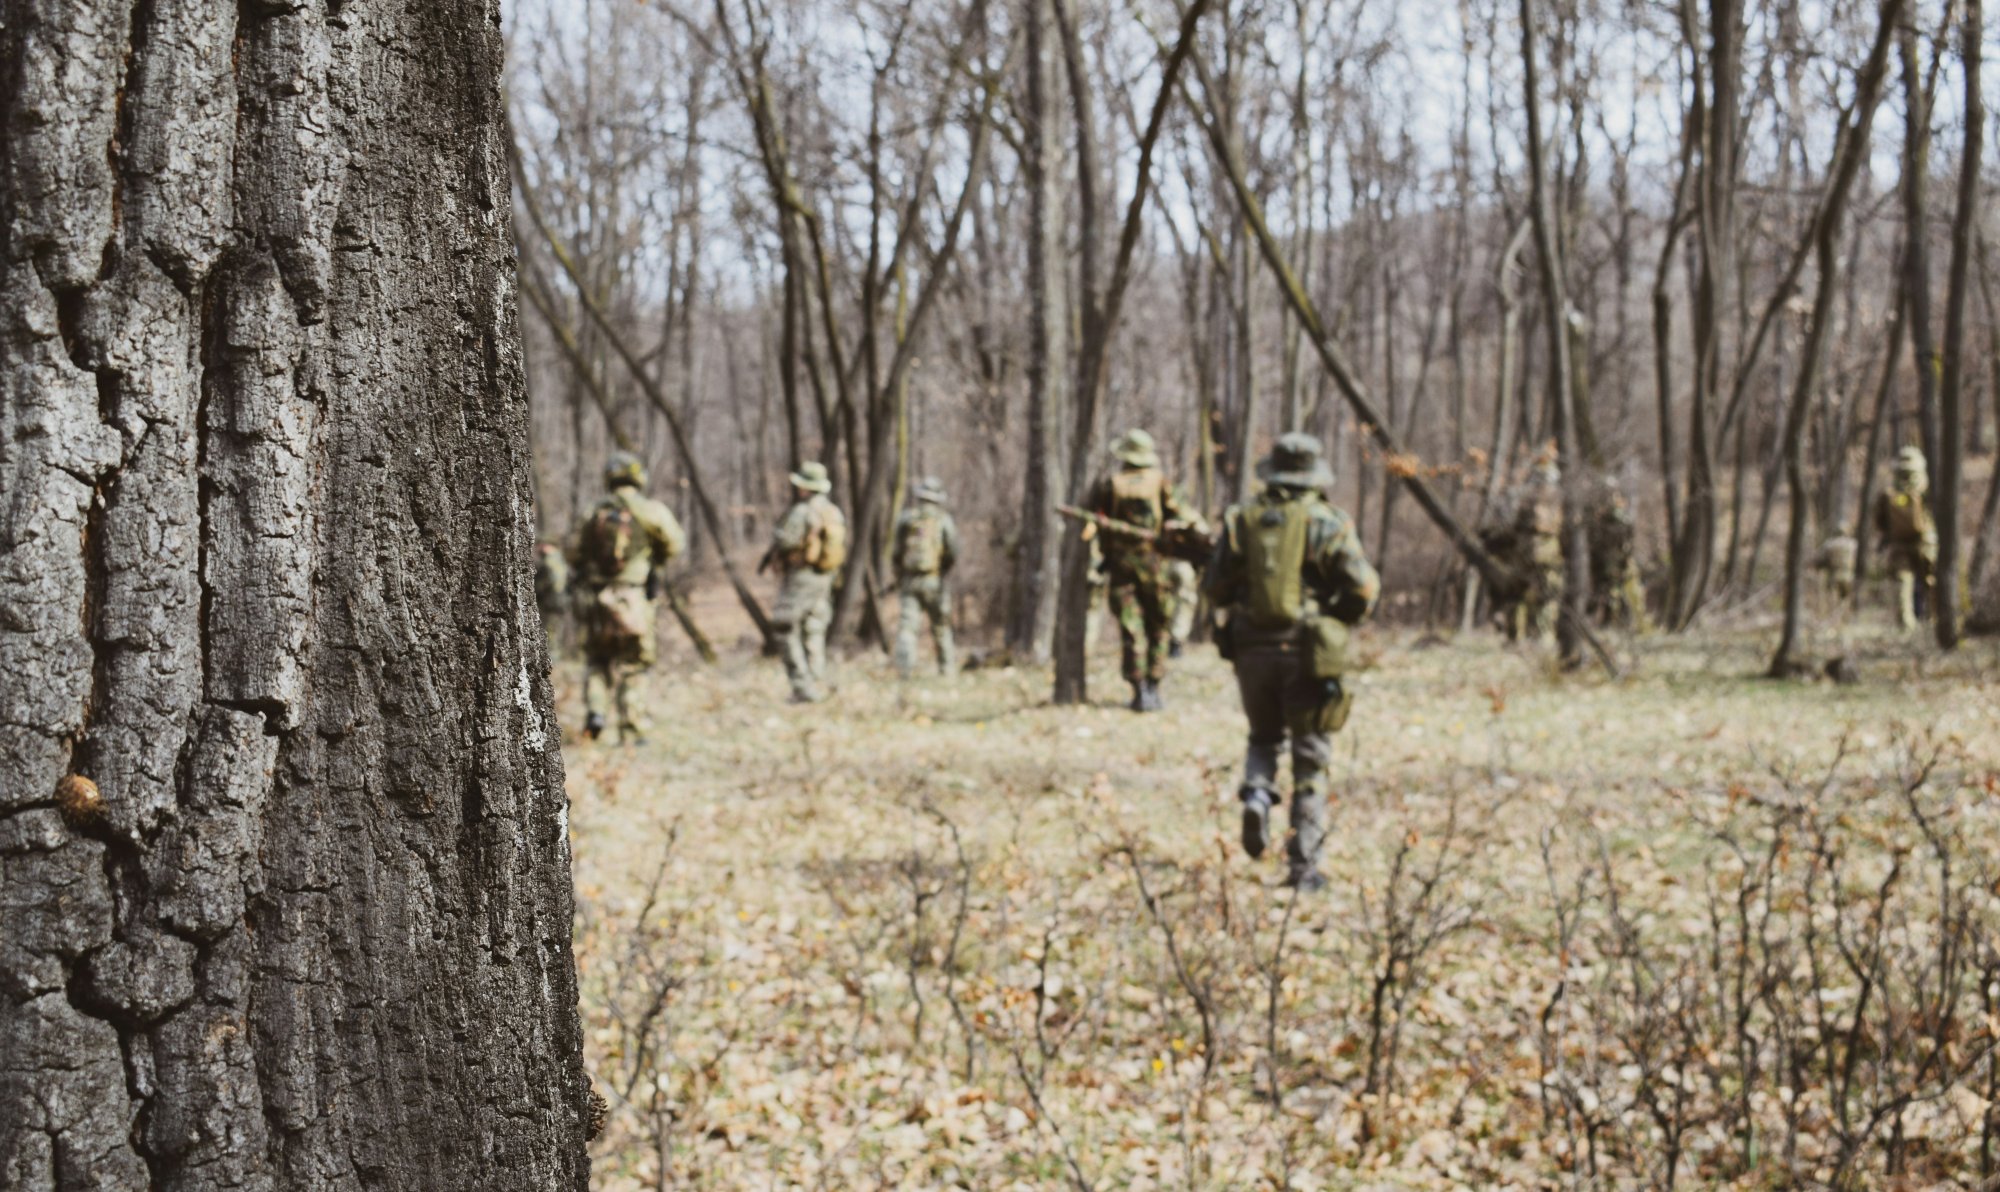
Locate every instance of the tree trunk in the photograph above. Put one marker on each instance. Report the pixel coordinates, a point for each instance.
(1850, 150)
(282, 822)
(1950, 470)
(1031, 626)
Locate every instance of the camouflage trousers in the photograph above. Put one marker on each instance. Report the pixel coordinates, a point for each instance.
(1284, 703)
(1142, 602)
(1536, 614)
(1626, 600)
(924, 597)
(803, 611)
(1913, 571)
(614, 657)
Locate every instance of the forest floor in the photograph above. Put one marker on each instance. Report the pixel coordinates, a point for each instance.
(944, 934)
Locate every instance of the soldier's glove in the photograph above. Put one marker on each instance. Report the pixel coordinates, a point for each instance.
(653, 585)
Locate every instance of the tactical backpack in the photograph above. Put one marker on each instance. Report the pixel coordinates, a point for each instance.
(1274, 551)
(1275, 535)
(826, 543)
(606, 544)
(922, 550)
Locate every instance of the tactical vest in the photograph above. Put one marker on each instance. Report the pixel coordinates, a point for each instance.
(1138, 497)
(921, 551)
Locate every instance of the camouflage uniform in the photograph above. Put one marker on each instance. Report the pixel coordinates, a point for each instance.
(1141, 589)
(1909, 536)
(926, 549)
(809, 544)
(1538, 538)
(552, 591)
(1288, 667)
(1619, 598)
(615, 597)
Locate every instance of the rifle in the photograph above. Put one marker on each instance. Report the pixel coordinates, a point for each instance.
(1176, 540)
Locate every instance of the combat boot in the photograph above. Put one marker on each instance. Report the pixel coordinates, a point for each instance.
(1305, 879)
(593, 725)
(1153, 701)
(1256, 820)
(1138, 703)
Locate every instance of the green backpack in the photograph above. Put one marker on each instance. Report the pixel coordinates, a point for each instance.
(606, 544)
(1274, 549)
(1274, 539)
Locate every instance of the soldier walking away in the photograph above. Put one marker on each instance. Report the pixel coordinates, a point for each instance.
(1137, 494)
(552, 591)
(1289, 571)
(620, 556)
(809, 546)
(1618, 596)
(1909, 536)
(926, 549)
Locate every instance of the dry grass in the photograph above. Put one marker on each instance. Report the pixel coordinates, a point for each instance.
(941, 934)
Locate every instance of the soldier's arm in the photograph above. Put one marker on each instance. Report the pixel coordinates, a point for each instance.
(949, 558)
(664, 529)
(1174, 506)
(790, 534)
(1341, 574)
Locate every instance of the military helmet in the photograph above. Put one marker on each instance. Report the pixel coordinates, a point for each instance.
(1910, 461)
(624, 468)
(811, 477)
(1296, 461)
(1135, 449)
(930, 490)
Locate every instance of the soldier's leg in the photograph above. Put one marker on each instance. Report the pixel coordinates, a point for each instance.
(596, 691)
(1155, 603)
(790, 615)
(1906, 595)
(633, 723)
(1131, 628)
(817, 621)
(1314, 711)
(1260, 679)
(909, 608)
(939, 610)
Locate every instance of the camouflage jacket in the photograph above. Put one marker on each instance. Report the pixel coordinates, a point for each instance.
(910, 523)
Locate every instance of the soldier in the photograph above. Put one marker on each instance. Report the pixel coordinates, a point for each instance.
(1538, 535)
(621, 550)
(809, 546)
(926, 549)
(1290, 571)
(1619, 596)
(551, 590)
(1909, 537)
(1138, 494)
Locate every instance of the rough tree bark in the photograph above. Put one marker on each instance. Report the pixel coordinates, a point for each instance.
(284, 874)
